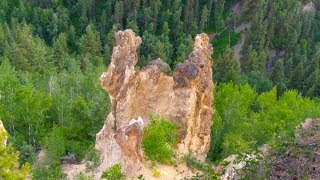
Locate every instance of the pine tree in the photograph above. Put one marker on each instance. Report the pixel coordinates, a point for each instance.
(165, 39)
(84, 20)
(89, 43)
(297, 77)
(227, 68)
(278, 76)
(103, 22)
(63, 19)
(90, 47)
(312, 76)
(72, 37)
(119, 13)
(185, 43)
(60, 51)
(250, 61)
(111, 36)
(133, 25)
(204, 18)
(218, 18)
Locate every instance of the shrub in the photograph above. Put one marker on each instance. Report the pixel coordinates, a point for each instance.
(159, 138)
(113, 173)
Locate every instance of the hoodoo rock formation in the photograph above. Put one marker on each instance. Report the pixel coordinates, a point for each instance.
(186, 98)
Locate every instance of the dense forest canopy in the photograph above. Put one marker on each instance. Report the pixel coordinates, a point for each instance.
(53, 51)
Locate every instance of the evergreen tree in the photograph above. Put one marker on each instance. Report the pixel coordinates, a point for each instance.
(278, 77)
(219, 9)
(90, 48)
(119, 13)
(84, 20)
(185, 43)
(296, 81)
(204, 18)
(227, 68)
(60, 51)
(311, 83)
(103, 22)
(90, 43)
(165, 39)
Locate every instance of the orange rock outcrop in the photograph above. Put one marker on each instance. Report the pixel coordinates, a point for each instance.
(185, 98)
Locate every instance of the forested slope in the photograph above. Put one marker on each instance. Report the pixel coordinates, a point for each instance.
(53, 51)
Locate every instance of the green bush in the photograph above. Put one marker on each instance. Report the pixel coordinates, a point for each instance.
(113, 173)
(159, 138)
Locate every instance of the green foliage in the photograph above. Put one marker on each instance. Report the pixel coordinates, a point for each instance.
(53, 52)
(42, 171)
(54, 145)
(113, 173)
(244, 120)
(259, 81)
(223, 40)
(227, 68)
(40, 109)
(27, 153)
(232, 102)
(9, 165)
(159, 138)
(25, 112)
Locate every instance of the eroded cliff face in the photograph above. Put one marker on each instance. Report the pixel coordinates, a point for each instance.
(186, 98)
